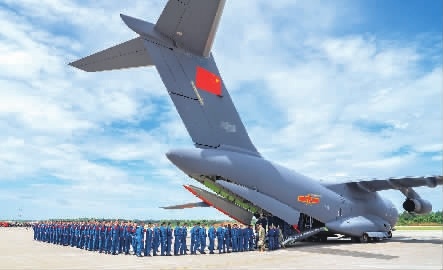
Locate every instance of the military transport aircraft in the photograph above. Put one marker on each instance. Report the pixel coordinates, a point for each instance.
(224, 158)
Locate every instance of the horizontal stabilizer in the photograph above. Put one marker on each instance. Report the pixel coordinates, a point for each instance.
(186, 205)
(277, 208)
(221, 204)
(128, 54)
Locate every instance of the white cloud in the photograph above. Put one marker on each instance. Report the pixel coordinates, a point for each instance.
(93, 143)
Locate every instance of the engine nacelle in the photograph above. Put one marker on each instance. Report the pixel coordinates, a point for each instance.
(418, 206)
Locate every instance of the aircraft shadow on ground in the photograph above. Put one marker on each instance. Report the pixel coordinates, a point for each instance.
(325, 248)
(417, 241)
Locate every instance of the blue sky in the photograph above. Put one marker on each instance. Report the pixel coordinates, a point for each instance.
(336, 90)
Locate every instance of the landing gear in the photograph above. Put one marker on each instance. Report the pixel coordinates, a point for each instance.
(390, 234)
(364, 238)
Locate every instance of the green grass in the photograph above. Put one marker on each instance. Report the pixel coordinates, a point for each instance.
(419, 228)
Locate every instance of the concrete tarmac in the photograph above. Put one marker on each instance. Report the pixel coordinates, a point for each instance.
(406, 250)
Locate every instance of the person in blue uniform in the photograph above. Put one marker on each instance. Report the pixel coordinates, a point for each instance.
(155, 240)
(148, 240)
(271, 234)
(202, 239)
(101, 237)
(127, 238)
(138, 239)
(115, 238)
(212, 234)
(177, 239)
(163, 239)
(169, 239)
(108, 238)
(276, 235)
(193, 238)
(251, 238)
(240, 239)
(228, 238)
(245, 238)
(183, 246)
(220, 239)
(234, 237)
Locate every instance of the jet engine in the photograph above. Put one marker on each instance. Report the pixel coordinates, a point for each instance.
(418, 206)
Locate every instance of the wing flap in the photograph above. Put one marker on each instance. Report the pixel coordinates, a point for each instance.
(131, 53)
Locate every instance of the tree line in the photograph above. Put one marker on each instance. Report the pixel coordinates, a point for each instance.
(433, 218)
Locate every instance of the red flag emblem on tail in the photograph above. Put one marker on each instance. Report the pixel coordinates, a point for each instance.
(208, 81)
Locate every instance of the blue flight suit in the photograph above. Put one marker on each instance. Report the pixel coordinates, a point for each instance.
(138, 239)
(168, 240)
(227, 239)
(108, 239)
(77, 235)
(240, 240)
(134, 240)
(202, 239)
(121, 238)
(183, 245)
(148, 242)
(96, 237)
(65, 235)
(128, 239)
(251, 239)
(245, 239)
(34, 229)
(91, 237)
(155, 240)
(87, 236)
(80, 238)
(177, 239)
(71, 235)
(115, 239)
(163, 240)
(211, 234)
(276, 235)
(234, 239)
(220, 239)
(101, 238)
(271, 239)
(193, 236)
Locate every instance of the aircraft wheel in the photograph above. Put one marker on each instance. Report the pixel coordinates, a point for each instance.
(390, 234)
(364, 238)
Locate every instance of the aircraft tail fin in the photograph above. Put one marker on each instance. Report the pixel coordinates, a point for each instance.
(179, 46)
(191, 24)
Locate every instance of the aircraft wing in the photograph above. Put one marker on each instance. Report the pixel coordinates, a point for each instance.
(394, 183)
(186, 205)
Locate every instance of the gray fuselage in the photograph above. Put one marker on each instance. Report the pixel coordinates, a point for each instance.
(335, 207)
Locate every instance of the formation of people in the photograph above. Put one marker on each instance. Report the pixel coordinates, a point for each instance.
(142, 239)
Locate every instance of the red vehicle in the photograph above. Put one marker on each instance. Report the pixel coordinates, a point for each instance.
(4, 224)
